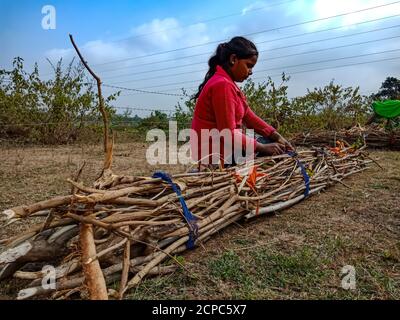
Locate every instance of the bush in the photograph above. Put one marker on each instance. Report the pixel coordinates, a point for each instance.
(331, 107)
(55, 111)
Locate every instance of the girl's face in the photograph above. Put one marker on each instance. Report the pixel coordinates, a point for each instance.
(241, 69)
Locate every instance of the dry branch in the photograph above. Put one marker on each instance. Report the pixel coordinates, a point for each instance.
(373, 136)
(128, 229)
(93, 273)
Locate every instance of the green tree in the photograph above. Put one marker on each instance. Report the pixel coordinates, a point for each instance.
(270, 102)
(329, 107)
(390, 90)
(335, 107)
(156, 120)
(58, 110)
(183, 115)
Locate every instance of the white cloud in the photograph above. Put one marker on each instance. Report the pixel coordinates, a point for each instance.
(319, 9)
(95, 52)
(169, 34)
(160, 30)
(256, 6)
(229, 30)
(331, 8)
(165, 34)
(161, 35)
(57, 54)
(102, 51)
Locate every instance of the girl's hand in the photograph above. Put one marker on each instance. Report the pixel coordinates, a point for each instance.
(281, 140)
(270, 149)
(288, 146)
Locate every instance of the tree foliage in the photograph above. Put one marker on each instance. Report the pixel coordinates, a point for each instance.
(330, 107)
(64, 108)
(390, 90)
(57, 110)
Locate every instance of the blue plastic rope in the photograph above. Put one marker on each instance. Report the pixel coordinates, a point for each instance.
(190, 219)
(303, 172)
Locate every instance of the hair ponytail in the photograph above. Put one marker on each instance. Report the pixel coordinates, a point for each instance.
(240, 46)
(213, 62)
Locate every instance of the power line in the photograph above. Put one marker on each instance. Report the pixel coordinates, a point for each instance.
(203, 21)
(274, 58)
(143, 109)
(143, 91)
(272, 40)
(5, 125)
(208, 53)
(163, 91)
(329, 29)
(331, 48)
(283, 67)
(208, 20)
(249, 34)
(306, 71)
(42, 123)
(330, 60)
(132, 89)
(332, 38)
(297, 72)
(334, 67)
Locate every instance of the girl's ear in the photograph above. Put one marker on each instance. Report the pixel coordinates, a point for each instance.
(232, 59)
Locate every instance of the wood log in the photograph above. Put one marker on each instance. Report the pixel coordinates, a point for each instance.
(93, 275)
(34, 251)
(24, 211)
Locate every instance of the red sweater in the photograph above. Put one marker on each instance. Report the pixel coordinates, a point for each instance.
(222, 105)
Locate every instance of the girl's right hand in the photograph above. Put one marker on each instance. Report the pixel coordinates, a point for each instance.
(270, 149)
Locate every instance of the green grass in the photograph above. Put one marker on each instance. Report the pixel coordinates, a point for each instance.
(228, 267)
(379, 186)
(306, 272)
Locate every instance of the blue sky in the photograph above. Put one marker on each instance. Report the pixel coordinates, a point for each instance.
(122, 41)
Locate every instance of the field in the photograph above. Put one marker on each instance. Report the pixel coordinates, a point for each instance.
(295, 254)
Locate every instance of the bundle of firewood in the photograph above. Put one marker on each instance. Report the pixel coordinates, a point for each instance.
(374, 136)
(125, 228)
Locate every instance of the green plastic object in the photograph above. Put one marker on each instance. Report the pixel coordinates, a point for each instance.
(388, 109)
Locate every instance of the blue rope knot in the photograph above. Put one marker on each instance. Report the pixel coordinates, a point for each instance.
(303, 172)
(189, 217)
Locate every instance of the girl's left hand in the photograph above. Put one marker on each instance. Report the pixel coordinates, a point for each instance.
(286, 143)
(278, 138)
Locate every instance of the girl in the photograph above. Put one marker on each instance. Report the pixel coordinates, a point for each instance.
(221, 105)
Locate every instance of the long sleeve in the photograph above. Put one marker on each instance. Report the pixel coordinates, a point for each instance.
(252, 121)
(225, 102)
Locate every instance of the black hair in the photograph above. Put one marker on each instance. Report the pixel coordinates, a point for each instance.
(242, 47)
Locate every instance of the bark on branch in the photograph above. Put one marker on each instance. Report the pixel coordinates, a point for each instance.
(107, 141)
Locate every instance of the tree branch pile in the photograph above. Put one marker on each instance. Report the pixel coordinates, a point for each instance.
(125, 228)
(373, 136)
(133, 227)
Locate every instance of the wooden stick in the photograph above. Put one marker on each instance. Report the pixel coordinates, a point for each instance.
(78, 174)
(93, 275)
(24, 211)
(280, 205)
(160, 257)
(107, 142)
(125, 267)
(105, 251)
